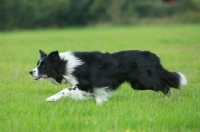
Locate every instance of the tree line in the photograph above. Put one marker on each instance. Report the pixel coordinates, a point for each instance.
(23, 14)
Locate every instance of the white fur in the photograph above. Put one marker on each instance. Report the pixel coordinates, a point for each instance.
(39, 62)
(72, 63)
(183, 80)
(72, 93)
(35, 70)
(101, 95)
(78, 94)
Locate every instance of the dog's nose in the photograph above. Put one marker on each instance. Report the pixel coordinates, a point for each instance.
(31, 72)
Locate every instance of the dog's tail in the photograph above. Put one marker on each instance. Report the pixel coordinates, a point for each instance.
(172, 79)
(182, 79)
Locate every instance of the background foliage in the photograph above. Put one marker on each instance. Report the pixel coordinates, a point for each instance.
(58, 13)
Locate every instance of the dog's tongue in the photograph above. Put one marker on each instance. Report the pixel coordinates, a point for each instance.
(44, 76)
(41, 76)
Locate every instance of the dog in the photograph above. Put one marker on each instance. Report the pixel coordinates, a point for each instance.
(96, 74)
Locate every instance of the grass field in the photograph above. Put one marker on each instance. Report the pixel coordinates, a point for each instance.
(22, 100)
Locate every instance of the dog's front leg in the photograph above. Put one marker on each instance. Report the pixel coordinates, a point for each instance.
(63, 93)
(72, 92)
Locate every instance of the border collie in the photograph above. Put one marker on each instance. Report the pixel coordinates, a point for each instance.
(96, 74)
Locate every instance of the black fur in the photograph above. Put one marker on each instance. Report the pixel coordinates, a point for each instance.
(52, 65)
(141, 69)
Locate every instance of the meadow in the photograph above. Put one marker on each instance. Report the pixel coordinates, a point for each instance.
(22, 100)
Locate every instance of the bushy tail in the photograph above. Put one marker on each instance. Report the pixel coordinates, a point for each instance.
(172, 79)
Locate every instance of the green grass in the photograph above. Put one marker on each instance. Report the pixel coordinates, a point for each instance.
(22, 100)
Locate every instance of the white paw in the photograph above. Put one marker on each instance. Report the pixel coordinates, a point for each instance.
(54, 98)
(99, 103)
(98, 100)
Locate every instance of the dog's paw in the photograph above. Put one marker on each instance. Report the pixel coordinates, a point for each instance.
(53, 98)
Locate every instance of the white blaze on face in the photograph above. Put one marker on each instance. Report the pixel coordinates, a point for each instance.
(35, 72)
(39, 62)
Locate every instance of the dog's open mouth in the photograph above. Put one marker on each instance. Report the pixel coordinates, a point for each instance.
(43, 76)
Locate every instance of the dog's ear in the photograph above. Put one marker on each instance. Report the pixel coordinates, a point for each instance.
(54, 55)
(42, 54)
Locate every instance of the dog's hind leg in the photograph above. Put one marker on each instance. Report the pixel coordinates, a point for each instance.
(72, 92)
(101, 95)
(166, 91)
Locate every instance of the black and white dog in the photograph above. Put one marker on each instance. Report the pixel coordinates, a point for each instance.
(96, 74)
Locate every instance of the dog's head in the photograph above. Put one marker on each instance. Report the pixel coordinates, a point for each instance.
(49, 66)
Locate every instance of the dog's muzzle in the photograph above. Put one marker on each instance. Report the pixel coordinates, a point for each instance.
(35, 74)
